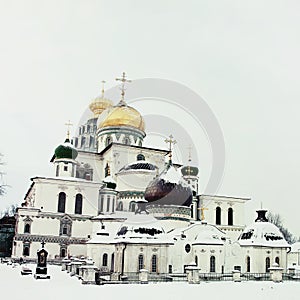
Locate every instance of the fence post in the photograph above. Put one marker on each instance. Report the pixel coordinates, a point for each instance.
(143, 276)
(193, 274)
(276, 273)
(236, 275)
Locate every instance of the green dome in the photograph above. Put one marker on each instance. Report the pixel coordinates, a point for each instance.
(110, 183)
(187, 171)
(66, 150)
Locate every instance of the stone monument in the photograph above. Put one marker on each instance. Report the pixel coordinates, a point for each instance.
(41, 269)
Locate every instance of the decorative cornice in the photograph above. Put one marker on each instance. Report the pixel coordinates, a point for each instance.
(29, 238)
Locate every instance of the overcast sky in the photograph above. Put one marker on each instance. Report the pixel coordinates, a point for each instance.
(242, 57)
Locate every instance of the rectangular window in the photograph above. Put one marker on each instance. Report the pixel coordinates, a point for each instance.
(101, 203)
(65, 168)
(108, 203)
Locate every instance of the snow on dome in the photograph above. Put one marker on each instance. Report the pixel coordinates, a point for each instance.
(140, 226)
(172, 175)
(263, 234)
(66, 150)
(169, 188)
(209, 235)
(109, 179)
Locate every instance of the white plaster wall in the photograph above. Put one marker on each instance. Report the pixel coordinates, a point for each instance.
(47, 191)
(132, 252)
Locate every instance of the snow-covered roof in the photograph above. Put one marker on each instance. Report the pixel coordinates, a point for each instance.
(209, 235)
(200, 234)
(142, 228)
(264, 234)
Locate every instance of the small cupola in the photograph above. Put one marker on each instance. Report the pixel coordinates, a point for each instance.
(64, 158)
(261, 216)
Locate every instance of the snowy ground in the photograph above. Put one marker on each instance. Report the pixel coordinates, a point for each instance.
(61, 286)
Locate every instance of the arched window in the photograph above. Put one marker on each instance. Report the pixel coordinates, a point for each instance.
(277, 260)
(230, 216)
(61, 202)
(154, 263)
(78, 204)
(82, 141)
(132, 206)
(140, 262)
(248, 263)
(126, 141)
(212, 267)
(218, 215)
(104, 260)
(26, 248)
(120, 206)
(140, 157)
(101, 203)
(196, 260)
(65, 229)
(57, 170)
(63, 252)
(112, 267)
(108, 141)
(91, 141)
(27, 228)
(113, 204)
(107, 203)
(267, 264)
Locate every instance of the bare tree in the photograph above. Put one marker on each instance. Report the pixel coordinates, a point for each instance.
(277, 220)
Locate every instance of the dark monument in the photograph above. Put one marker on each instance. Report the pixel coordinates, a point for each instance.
(41, 269)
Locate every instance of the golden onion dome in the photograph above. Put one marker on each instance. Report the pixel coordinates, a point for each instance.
(124, 115)
(99, 105)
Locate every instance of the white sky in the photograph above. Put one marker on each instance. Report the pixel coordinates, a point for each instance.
(242, 57)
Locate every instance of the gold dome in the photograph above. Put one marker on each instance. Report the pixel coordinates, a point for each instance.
(99, 105)
(124, 116)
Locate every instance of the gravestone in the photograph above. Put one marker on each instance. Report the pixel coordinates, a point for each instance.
(41, 269)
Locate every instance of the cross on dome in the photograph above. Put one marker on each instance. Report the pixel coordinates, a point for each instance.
(123, 80)
(68, 124)
(170, 141)
(103, 82)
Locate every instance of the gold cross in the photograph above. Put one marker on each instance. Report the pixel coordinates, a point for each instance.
(190, 152)
(170, 141)
(202, 209)
(190, 159)
(123, 80)
(103, 82)
(68, 131)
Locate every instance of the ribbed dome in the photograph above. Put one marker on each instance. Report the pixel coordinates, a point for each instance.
(66, 150)
(124, 116)
(139, 165)
(99, 105)
(169, 188)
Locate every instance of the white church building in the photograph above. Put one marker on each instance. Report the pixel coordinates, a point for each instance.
(129, 207)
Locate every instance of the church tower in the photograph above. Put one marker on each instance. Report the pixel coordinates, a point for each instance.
(121, 124)
(87, 133)
(64, 158)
